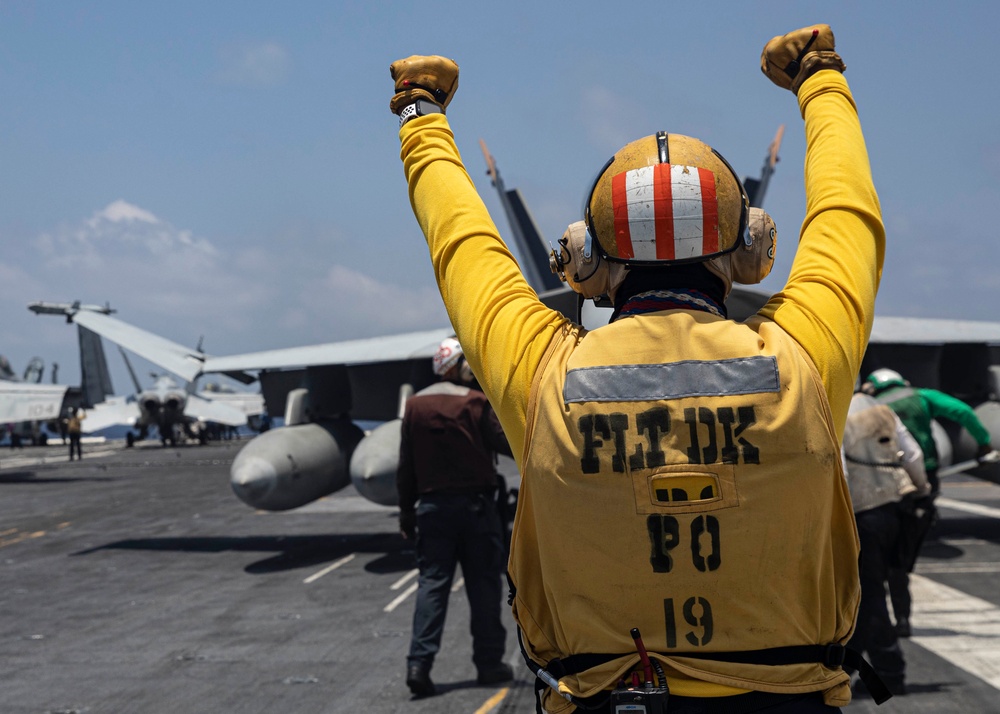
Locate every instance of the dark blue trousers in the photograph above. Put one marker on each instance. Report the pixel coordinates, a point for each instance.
(452, 530)
(878, 531)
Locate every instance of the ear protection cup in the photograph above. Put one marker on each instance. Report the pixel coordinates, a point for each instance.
(582, 267)
(752, 259)
(752, 263)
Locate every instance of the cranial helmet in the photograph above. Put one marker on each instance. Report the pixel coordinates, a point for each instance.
(663, 200)
(883, 379)
(447, 356)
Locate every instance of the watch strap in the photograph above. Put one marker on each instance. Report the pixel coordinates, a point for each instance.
(419, 108)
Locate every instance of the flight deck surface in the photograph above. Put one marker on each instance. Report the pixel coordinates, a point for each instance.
(135, 581)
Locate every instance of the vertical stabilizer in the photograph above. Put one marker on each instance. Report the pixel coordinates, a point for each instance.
(757, 187)
(95, 381)
(532, 248)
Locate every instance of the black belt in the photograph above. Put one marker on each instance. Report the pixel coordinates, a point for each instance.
(833, 656)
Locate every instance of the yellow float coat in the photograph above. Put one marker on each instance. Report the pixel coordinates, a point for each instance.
(788, 531)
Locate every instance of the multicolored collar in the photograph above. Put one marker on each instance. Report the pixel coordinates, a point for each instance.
(679, 299)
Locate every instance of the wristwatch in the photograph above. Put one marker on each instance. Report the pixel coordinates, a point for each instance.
(419, 108)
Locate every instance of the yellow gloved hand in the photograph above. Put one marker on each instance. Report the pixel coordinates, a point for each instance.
(429, 77)
(788, 60)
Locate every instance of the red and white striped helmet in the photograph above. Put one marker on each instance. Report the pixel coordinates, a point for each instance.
(448, 354)
(667, 199)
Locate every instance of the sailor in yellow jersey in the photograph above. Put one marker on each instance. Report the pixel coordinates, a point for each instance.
(681, 472)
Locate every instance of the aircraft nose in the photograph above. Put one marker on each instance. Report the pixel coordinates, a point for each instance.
(253, 479)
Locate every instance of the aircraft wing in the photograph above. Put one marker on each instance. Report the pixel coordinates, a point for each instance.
(362, 378)
(250, 403)
(116, 411)
(189, 364)
(210, 410)
(21, 401)
(182, 361)
(390, 348)
(932, 331)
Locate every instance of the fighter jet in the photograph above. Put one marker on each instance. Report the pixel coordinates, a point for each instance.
(169, 408)
(27, 402)
(173, 410)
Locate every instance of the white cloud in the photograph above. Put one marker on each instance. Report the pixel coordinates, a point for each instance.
(120, 211)
(263, 64)
(174, 283)
(115, 233)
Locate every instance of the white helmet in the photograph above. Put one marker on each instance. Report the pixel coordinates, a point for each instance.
(448, 354)
(883, 378)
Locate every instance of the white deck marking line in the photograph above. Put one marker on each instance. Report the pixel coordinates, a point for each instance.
(945, 567)
(458, 584)
(964, 541)
(960, 628)
(974, 508)
(329, 569)
(399, 598)
(402, 581)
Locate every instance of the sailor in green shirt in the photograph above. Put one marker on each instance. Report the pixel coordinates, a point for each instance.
(917, 407)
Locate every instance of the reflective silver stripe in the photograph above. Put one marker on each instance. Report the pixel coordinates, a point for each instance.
(650, 382)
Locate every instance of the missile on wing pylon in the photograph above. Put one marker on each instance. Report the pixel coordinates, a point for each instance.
(291, 466)
(67, 308)
(374, 464)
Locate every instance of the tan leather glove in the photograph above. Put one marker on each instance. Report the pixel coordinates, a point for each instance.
(432, 77)
(788, 60)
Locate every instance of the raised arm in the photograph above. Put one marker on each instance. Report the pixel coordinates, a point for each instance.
(828, 302)
(503, 327)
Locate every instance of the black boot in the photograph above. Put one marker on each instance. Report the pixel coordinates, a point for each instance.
(495, 673)
(418, 679)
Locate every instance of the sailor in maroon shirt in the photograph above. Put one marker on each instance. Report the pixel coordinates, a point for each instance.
(447, 484)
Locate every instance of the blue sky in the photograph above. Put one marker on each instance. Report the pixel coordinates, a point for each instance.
(230, 169)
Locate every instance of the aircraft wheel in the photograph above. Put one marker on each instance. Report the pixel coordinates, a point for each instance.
(130, 439)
